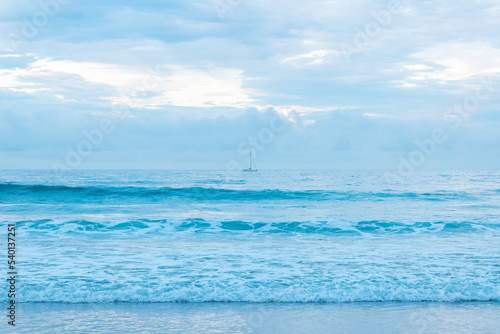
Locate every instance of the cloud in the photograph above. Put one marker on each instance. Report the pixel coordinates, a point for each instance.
(196, 82)
(162, 85)
(312, 58)
(167, 139)
(455, 61)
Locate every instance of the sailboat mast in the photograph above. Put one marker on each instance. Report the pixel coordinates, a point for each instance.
(250, 169)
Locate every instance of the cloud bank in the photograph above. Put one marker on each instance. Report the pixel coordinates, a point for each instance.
(184, 85)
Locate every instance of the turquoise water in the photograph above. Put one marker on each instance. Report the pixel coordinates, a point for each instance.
(271, 236)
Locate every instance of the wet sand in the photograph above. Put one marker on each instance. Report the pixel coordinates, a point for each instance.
(378, 317)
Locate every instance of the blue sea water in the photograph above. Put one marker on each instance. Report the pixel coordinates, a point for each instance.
(270, 236)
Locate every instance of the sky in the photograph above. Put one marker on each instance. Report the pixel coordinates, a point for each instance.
(397, 85)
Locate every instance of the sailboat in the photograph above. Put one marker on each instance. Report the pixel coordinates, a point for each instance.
(251, 169)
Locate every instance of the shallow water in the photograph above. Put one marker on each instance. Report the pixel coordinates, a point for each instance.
(352, 318)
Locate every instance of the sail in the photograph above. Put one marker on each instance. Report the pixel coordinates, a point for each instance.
(250, 168)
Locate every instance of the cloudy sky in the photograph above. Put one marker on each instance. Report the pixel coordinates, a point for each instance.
(196, 84)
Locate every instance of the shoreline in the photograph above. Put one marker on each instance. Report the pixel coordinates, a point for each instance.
(241, 317)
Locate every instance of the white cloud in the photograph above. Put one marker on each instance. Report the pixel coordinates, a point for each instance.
(165, 85)
(198, 88)
(404, 84)
(13, 79)
(315, 57)
(303, 110)
(455, 61)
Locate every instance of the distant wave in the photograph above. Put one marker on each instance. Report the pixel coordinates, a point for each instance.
(9, 191)
(198, 225)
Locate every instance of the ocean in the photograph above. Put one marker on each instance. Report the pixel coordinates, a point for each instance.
(272, 236)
